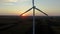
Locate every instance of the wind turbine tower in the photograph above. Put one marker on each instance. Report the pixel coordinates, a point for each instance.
(34, 7)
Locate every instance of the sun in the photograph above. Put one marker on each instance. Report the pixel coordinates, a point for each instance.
(24, 15)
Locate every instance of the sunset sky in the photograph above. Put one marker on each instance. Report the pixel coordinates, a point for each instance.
(17, 7)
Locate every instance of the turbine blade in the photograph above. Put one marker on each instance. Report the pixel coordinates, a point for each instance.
(26, 11)
(41, 11)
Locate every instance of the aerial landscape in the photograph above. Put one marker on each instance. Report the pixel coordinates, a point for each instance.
(23, 25)
(29, 16)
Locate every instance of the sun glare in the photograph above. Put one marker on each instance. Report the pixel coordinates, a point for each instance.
(24, 15)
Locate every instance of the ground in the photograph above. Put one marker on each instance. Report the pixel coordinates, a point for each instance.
(24, 25)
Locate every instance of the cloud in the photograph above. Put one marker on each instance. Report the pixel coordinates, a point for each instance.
(8, 0)
(8, 4)
(11, 2)
(23, 0)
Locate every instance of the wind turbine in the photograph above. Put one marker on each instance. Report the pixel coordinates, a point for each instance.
(34, 7)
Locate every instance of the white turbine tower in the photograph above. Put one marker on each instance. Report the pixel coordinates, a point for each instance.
(34, 7)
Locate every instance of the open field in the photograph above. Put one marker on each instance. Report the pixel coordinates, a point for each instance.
(23, 25)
